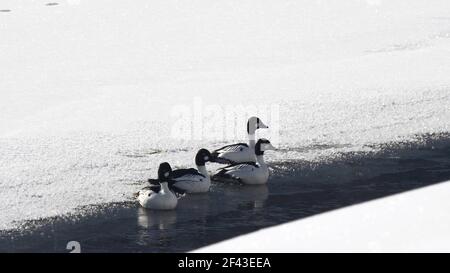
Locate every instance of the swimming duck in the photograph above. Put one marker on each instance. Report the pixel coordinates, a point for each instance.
(159, 197)
(240, 152)
(192, 180)
(252, 173)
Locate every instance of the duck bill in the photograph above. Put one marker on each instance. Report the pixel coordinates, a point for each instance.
(263, 126)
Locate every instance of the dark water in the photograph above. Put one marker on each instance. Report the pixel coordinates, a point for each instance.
(296, 190)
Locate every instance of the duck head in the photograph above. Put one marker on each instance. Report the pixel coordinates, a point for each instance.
(255, 123)
(263, 145)
(164, 172)
(202, 157)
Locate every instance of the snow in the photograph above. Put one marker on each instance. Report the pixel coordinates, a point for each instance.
(415, 221)
(94, 94)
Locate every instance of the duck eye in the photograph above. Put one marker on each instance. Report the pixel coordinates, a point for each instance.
(206, 158)
(166, 174)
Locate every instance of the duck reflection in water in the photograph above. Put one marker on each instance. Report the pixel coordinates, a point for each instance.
(253, 195)
(162, 220)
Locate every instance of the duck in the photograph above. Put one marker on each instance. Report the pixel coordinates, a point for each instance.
(159, 196)
(240, 152)
(192, 180)
(250, 173)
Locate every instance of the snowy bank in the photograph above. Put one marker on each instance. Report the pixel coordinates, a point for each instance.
(415, 221)
(88, 88)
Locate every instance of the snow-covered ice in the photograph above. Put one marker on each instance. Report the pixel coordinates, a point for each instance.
(88, 89)
(415, 221)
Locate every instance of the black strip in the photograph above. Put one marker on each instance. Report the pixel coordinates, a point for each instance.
(221, 262)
